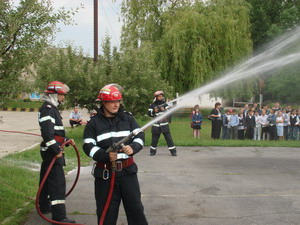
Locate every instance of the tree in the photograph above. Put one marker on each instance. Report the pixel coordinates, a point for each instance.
(25, 32)
(134, 71)
(137, 73)
(202, 40)
(69, 65)
(193, 42)
(271, 18)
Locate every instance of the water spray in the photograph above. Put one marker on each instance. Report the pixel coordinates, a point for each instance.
(270, 60)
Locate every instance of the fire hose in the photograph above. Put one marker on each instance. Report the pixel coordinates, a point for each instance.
(45, 178)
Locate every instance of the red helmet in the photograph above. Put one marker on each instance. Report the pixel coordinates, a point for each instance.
(56, 87)
(109, 93)
(157, 93)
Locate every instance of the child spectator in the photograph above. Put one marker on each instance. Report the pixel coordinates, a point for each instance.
(233, 125)
(265, 125)
(279, 125)
(241, 126)
(286, 122)
(249, 125)
(294, 121)
(257, 128)
(197, 120)
(225, 119)
(272, 125)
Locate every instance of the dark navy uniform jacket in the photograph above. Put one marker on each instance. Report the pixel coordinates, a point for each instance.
(163, 124)
(51, 125)
(101, 132)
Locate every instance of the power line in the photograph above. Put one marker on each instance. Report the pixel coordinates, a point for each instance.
(109, 23)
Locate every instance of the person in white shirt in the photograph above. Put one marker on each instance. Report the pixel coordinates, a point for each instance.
(257, 128)
(286, 123)
(265, 125)
(75, 117)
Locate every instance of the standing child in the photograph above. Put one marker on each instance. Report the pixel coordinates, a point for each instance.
(279, 125)
(294, 121)
(257, 128)
(272, 125)
(233, 125)
(241, 126)
(265, 125)
(286, 122)
(197, 120)
(225, 120)
(249, 125)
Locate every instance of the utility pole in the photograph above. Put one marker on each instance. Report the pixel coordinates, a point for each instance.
(95, 30)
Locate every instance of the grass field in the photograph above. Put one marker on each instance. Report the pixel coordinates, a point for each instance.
(22, 104)
(19, 172)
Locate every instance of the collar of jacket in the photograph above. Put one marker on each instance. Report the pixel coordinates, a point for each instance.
(120, 113)
(159, 102)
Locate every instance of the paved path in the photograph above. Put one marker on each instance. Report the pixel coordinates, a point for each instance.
(23, 122)
(206, 186)
(202, 185)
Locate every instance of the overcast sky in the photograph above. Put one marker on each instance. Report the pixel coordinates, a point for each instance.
(82, 34)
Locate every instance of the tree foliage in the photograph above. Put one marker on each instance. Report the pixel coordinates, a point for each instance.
(135, 71)
(271, 18)
(193, 42)
(25, 32)
(70, 66)
(202, 40)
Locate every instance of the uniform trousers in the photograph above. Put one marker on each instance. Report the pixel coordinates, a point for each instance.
(126, 189)
(156, 136)
(54, 191)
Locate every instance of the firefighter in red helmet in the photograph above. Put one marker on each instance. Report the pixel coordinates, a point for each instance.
(158, 108)
(108, 126)
(52, 197)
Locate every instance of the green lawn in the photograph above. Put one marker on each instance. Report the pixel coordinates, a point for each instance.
(182, 136)
(19, 172)
(22, 104)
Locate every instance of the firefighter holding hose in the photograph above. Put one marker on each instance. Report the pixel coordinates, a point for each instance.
(110, 125)
(52, 197)
(158, 108)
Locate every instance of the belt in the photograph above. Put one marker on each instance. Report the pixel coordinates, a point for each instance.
(60, 139)
(119, 164)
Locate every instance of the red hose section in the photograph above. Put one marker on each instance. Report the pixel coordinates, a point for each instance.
(19, 132)
(43, 182)
(107, 203)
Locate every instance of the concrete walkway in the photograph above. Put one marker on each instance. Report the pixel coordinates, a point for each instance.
(202, 185)
(23, 122)
(205, 186)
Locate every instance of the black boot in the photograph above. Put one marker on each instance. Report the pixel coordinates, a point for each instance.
(58, 212)
(66, 220)
(152, 152)
(45, 206)
(173, 152)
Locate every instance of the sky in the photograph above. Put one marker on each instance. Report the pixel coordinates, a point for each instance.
(82, 34)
